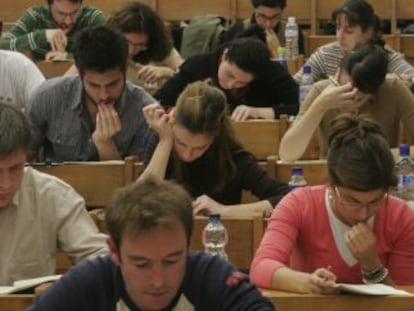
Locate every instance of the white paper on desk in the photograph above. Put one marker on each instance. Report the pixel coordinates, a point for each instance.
(28, 283)
(372, 289)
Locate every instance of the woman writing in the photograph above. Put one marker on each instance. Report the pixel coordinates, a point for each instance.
(195, 145)
(351, 230)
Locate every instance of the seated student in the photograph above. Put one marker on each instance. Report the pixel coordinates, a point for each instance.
(149, 43)
(255, 86)
(150, 266)
(95, 115)
(48, 31)
(268, 15)
(356, 22)
(195, 145)
(363, 88)
(39, 213)
(19, 78)
(351, 230)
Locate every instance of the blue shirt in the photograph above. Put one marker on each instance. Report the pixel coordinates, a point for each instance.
(60, 122)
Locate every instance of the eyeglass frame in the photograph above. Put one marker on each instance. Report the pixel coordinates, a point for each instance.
(263, 17)
(383, 201)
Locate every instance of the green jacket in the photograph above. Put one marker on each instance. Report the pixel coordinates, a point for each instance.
(29, 32)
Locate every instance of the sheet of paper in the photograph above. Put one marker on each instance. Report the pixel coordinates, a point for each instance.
(373, 289)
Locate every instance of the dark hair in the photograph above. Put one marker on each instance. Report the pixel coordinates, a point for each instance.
(14, 130)
(49, 2)
(100, 49)
(254, 31)
(202, 108)
(367, 65)
(270, 3)
(359, 155)
(140, 18)
(249, 54)
(361, 13)
(148, 204)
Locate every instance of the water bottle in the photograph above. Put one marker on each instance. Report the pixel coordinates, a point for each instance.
(305, 84)
(292, 38)
(405, 172)
(215, 237)
(297, 179)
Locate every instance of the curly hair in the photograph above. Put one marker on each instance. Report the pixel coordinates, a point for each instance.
(137, 17)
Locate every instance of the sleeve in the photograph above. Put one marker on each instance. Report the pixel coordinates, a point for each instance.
(256, 180)
(316, 62)
(213, 284)
(38, 119)
(398, 65)
(401, 259)
(279, 239)
(405, 99)
(283, 89)
(97, 18)
(78, 235)
(32, 78)
(82, 288)
(191, 70)
(25, 36)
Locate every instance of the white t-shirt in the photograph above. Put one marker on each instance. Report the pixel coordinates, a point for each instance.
(19, 78)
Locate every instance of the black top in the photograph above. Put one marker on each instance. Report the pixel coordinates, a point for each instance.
(203, 174)
(274, 87)
(98, 285)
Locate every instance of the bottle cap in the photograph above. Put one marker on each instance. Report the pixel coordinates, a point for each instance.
(297, 171)
(404, 149)
(307, 69)
(291, 19)
(214, 217)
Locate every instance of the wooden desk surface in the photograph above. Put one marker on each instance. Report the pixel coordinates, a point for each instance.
(285, 301)
(15, 302)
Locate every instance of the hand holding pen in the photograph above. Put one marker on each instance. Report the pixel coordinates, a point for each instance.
(324, 281)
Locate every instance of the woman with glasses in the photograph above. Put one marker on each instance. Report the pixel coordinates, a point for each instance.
(194, 144)
(356, 22)
(360, 86)
(153, 57)
(349, 231)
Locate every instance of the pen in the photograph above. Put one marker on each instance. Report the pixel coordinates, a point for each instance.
(333, 81)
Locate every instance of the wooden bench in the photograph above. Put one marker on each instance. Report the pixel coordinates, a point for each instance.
(314, 171)
(244, 236)
(285, 301)
(261, 137)
(94, 181)
(51, 69)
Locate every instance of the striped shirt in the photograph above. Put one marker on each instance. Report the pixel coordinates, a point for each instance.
(325, 62)
(61, 124)
(29, 32)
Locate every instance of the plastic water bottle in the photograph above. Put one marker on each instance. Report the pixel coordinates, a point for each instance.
(215, 237)
(292, 38)
(306, 82)
(297, 179)
(405, 172)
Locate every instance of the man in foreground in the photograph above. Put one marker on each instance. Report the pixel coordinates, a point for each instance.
(150, 266)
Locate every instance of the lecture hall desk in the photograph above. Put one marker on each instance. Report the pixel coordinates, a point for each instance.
(298, 302)
(15, 302)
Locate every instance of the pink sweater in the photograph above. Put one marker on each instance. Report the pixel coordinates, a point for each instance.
(299, 230)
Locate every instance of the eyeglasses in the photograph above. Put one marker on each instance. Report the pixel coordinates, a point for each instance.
(263, 17)
(138, 46)
(355, 204)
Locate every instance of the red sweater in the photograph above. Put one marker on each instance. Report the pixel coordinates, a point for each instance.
(299, 230)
